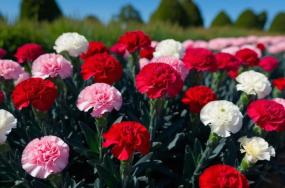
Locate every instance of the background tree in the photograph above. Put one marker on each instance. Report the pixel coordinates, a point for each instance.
(194, 16)
(262, 18)
(40, 10)
(170, 11)
(92, 19)
(278, 23)
(222, 19)
(128, 14)
(247, 20)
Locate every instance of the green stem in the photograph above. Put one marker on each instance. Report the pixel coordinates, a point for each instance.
(243, 101)
(155, 107)
(244, 165)
(101, 124)
(125, 169)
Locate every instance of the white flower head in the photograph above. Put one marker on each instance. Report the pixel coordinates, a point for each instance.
(169, 47)
(222, 116)
(7, 122)
(255, 149)
(253, 83)
(73, 43)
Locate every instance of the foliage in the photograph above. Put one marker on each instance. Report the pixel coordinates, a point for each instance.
(262, 18)
(278, 23)
(247, 19)
(194, 17)
(128, 14)
(222, 19)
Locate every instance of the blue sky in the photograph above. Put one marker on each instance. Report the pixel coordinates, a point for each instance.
(104, 9)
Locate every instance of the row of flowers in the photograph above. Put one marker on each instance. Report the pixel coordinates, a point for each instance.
(160, 71)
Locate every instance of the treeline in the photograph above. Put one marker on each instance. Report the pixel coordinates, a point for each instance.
(184, 13)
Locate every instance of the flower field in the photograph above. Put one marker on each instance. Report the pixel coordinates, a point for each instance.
(143, 113)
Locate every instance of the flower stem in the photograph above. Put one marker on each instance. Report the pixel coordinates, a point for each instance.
(125, 168)
(155, 107)
(100, 126)
(244, 165)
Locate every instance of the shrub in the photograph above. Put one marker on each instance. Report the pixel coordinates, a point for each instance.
(222, 19)
(278, 23)
(194, 16)
(247, 19)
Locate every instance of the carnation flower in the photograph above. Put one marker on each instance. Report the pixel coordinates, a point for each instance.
(222, 116)
(73, 43)
(99, 97)
(230, 50)
(103, 67)
(169, 47)
(44, 156)
(261, 47)
(10, 69)
(147, 52)
(94, 48)
(253, 83)
(28, 52)
(233, 74)
(134, 40)
(222, 176)
(256, 149)
(127, 137)
(280, 101)
(200, 59)
(119, 48)
(227, 62)
(248, 57)
(175, 63)
(279, 83)
(22, 77)
(2, 97)
(51, 65)
(268, 63)
(267, 114)
(197, 97)
(37, 92)
(7, 123)
(2, 53)
(158, 80)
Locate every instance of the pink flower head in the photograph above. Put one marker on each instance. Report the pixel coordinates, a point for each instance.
(45, 156)
(99, 97)
(175, 63)
(10, 69)
(22, 77)
(51, 65)
(280, 101)
(2, 53)
(268, 63)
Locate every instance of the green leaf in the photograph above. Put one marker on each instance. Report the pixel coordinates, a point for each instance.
(91, 137)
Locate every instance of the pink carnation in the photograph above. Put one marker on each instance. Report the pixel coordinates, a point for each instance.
(22, 77)
(99, 97)
(280, 101)
(10, 69)
(51, 65)
(45, 156)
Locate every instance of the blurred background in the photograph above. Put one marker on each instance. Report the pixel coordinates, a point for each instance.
(41, 21)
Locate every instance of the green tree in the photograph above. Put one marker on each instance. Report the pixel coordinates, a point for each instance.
(128, 14)
(92, 19)
(40, 10)
(222, 19)
(170, 11)
(278, 23)
(262, 18)
(194, 17)
(248, 20)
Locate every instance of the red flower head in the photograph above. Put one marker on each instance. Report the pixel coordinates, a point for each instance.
(118, 49)
(126, 138)
(233, 74)
(37, 92)
(198, 96)
(134, 40)
(94, 48)
(200, 59)
(1, 97)
(158, 80)
(222, 176)
(28, 52)
(2, 53)
(147, 52)
(103, 67)
(248, 57)
(227, 62)
(268, 63)
(267, 114)
(261, 46)
(279, 83)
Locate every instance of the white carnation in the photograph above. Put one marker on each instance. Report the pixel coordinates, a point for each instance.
(7, 122)
(73, 43)
(256, 149)
(253, 83)
(169, 47)
(222, 116)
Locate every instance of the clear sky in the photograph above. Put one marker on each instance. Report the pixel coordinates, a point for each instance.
(104, 9)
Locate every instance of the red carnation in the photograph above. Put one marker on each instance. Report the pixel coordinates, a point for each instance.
(233, 74)
(158, 80)
(118, 49)
(222, 176)
(248, 57)
(28, 52)
(279, 83)
(2, 53)
(227, 62)
(1, 97)
(94, 47)
(103, 67)
(134, 40)
(37, 92)
(267, 114)
(268, 63)
(261, 46)
(198, 96)
(126, 138)
(200, 59)
(147, 52)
